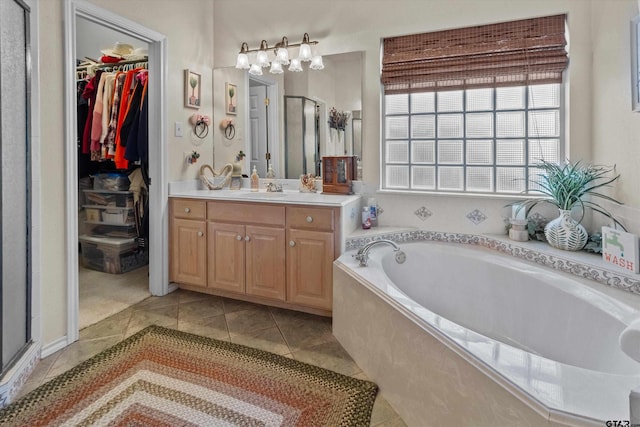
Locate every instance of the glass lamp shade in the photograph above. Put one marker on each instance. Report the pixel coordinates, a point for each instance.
(243, 61)
(262, 58)
(255, 70)
(305, 52)
(295, 65)
(316, 63)
(276, 68)
(282, 56)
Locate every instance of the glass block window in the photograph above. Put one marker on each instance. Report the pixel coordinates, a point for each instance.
(486, 140)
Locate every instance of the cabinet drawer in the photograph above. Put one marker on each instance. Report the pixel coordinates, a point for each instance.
(246, 213)
(310, 218)
(188, 208)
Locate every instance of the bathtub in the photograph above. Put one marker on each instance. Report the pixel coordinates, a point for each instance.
(460, 335)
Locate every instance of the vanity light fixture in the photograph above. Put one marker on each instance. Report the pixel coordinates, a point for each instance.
(281, 51)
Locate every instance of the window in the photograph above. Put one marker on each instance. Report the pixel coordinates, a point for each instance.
(473, 110)
(477, 140)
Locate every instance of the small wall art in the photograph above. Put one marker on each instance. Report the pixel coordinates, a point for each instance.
(192, 89)
(231, 98)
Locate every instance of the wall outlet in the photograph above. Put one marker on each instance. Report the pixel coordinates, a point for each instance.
(178, 129)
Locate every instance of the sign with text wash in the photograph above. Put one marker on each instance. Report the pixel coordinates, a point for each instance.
(620, 249)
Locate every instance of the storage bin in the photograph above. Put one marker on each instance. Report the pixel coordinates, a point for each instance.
(111, 181)
(120, 199)
(118, 216)
(112, 255)
(99, 229)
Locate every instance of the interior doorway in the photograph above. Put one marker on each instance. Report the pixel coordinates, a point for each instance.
(158, 223)
(263, 121)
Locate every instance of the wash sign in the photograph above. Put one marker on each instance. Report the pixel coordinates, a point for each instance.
(620, 249)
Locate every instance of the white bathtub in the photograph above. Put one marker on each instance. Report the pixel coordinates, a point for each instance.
(542, 345)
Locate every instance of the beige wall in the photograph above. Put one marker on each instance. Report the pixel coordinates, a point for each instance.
(600, 125)
(616, 129)
(188, 25)
(598, 78)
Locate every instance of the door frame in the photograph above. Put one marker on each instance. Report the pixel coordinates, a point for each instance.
(274, 120)
(158, 191)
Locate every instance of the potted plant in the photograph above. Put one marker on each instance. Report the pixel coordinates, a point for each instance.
(568, 186)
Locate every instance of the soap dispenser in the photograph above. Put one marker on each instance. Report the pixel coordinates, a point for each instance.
(255, 180)
(270, 173)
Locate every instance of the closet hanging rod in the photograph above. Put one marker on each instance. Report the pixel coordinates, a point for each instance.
(142, 64)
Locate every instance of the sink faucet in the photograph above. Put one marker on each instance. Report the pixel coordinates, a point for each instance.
(274, 187)
(363, 252)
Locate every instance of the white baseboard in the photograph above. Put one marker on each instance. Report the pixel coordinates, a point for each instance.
(51, 348)
(16, 377)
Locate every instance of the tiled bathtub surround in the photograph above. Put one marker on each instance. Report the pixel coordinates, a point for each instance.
(465, 335)
(585, 265)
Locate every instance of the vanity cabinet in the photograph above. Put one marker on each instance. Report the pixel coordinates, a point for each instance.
(246, 249)
(188, 246)
(271, 253)
(310, 255)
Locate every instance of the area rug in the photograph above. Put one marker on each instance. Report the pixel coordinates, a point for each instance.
(163, 377)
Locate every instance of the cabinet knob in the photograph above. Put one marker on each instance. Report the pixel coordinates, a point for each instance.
(309, 218)
(200, 234)
(238, 237)
(292, 243)
(247, 238)
(187, 210)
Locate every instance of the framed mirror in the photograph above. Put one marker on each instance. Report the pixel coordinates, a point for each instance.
(296, 135)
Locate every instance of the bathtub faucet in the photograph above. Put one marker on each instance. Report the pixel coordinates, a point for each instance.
(363, 252)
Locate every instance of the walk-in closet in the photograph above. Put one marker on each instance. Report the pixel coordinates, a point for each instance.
(113, 179)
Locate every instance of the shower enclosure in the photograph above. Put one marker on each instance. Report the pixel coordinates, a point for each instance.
(301, 136)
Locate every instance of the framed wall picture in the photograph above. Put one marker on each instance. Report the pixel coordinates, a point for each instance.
(192, 89)
(231, 98)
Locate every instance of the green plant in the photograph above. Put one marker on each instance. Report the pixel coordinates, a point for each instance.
(572, 185)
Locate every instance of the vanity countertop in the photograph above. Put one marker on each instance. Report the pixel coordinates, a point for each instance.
(287, 196)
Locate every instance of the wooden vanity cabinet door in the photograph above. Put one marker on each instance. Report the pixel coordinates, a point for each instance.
(265, 258)
(226, 261)
(189, 252)
(310, 257)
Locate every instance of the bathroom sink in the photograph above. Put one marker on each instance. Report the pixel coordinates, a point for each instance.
(261, 195)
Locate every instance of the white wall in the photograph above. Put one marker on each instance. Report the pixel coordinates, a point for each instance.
(616, 129)
(332, 23)
(342, 26)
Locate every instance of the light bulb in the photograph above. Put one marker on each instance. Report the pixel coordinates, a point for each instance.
(295, 65)
(262, 58)
(255, 70)
(305, 52)
(242, 61)
(282, 56)
(316, 63)
(276, 68)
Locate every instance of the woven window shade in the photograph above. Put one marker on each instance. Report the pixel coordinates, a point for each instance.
(516, 53)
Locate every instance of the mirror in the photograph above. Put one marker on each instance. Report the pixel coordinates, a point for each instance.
(291, 131)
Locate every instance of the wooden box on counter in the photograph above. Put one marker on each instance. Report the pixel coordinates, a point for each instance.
(337, 174)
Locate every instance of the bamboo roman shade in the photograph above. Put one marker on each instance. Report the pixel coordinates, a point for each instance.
(516, 53)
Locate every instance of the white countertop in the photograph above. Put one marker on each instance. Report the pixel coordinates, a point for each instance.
(287, 196)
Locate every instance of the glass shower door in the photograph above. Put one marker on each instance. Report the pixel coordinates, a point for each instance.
(15, 197)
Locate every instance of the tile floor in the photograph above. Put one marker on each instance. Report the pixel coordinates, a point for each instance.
(304, 337)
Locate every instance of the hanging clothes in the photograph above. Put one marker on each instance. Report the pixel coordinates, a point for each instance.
(89, 94)
(138, 137)
(127, 89)
(96, 125)
(113, 121)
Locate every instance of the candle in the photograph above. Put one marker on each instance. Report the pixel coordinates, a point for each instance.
(518, 211)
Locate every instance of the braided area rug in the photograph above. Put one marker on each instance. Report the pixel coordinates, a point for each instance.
(163, 377)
